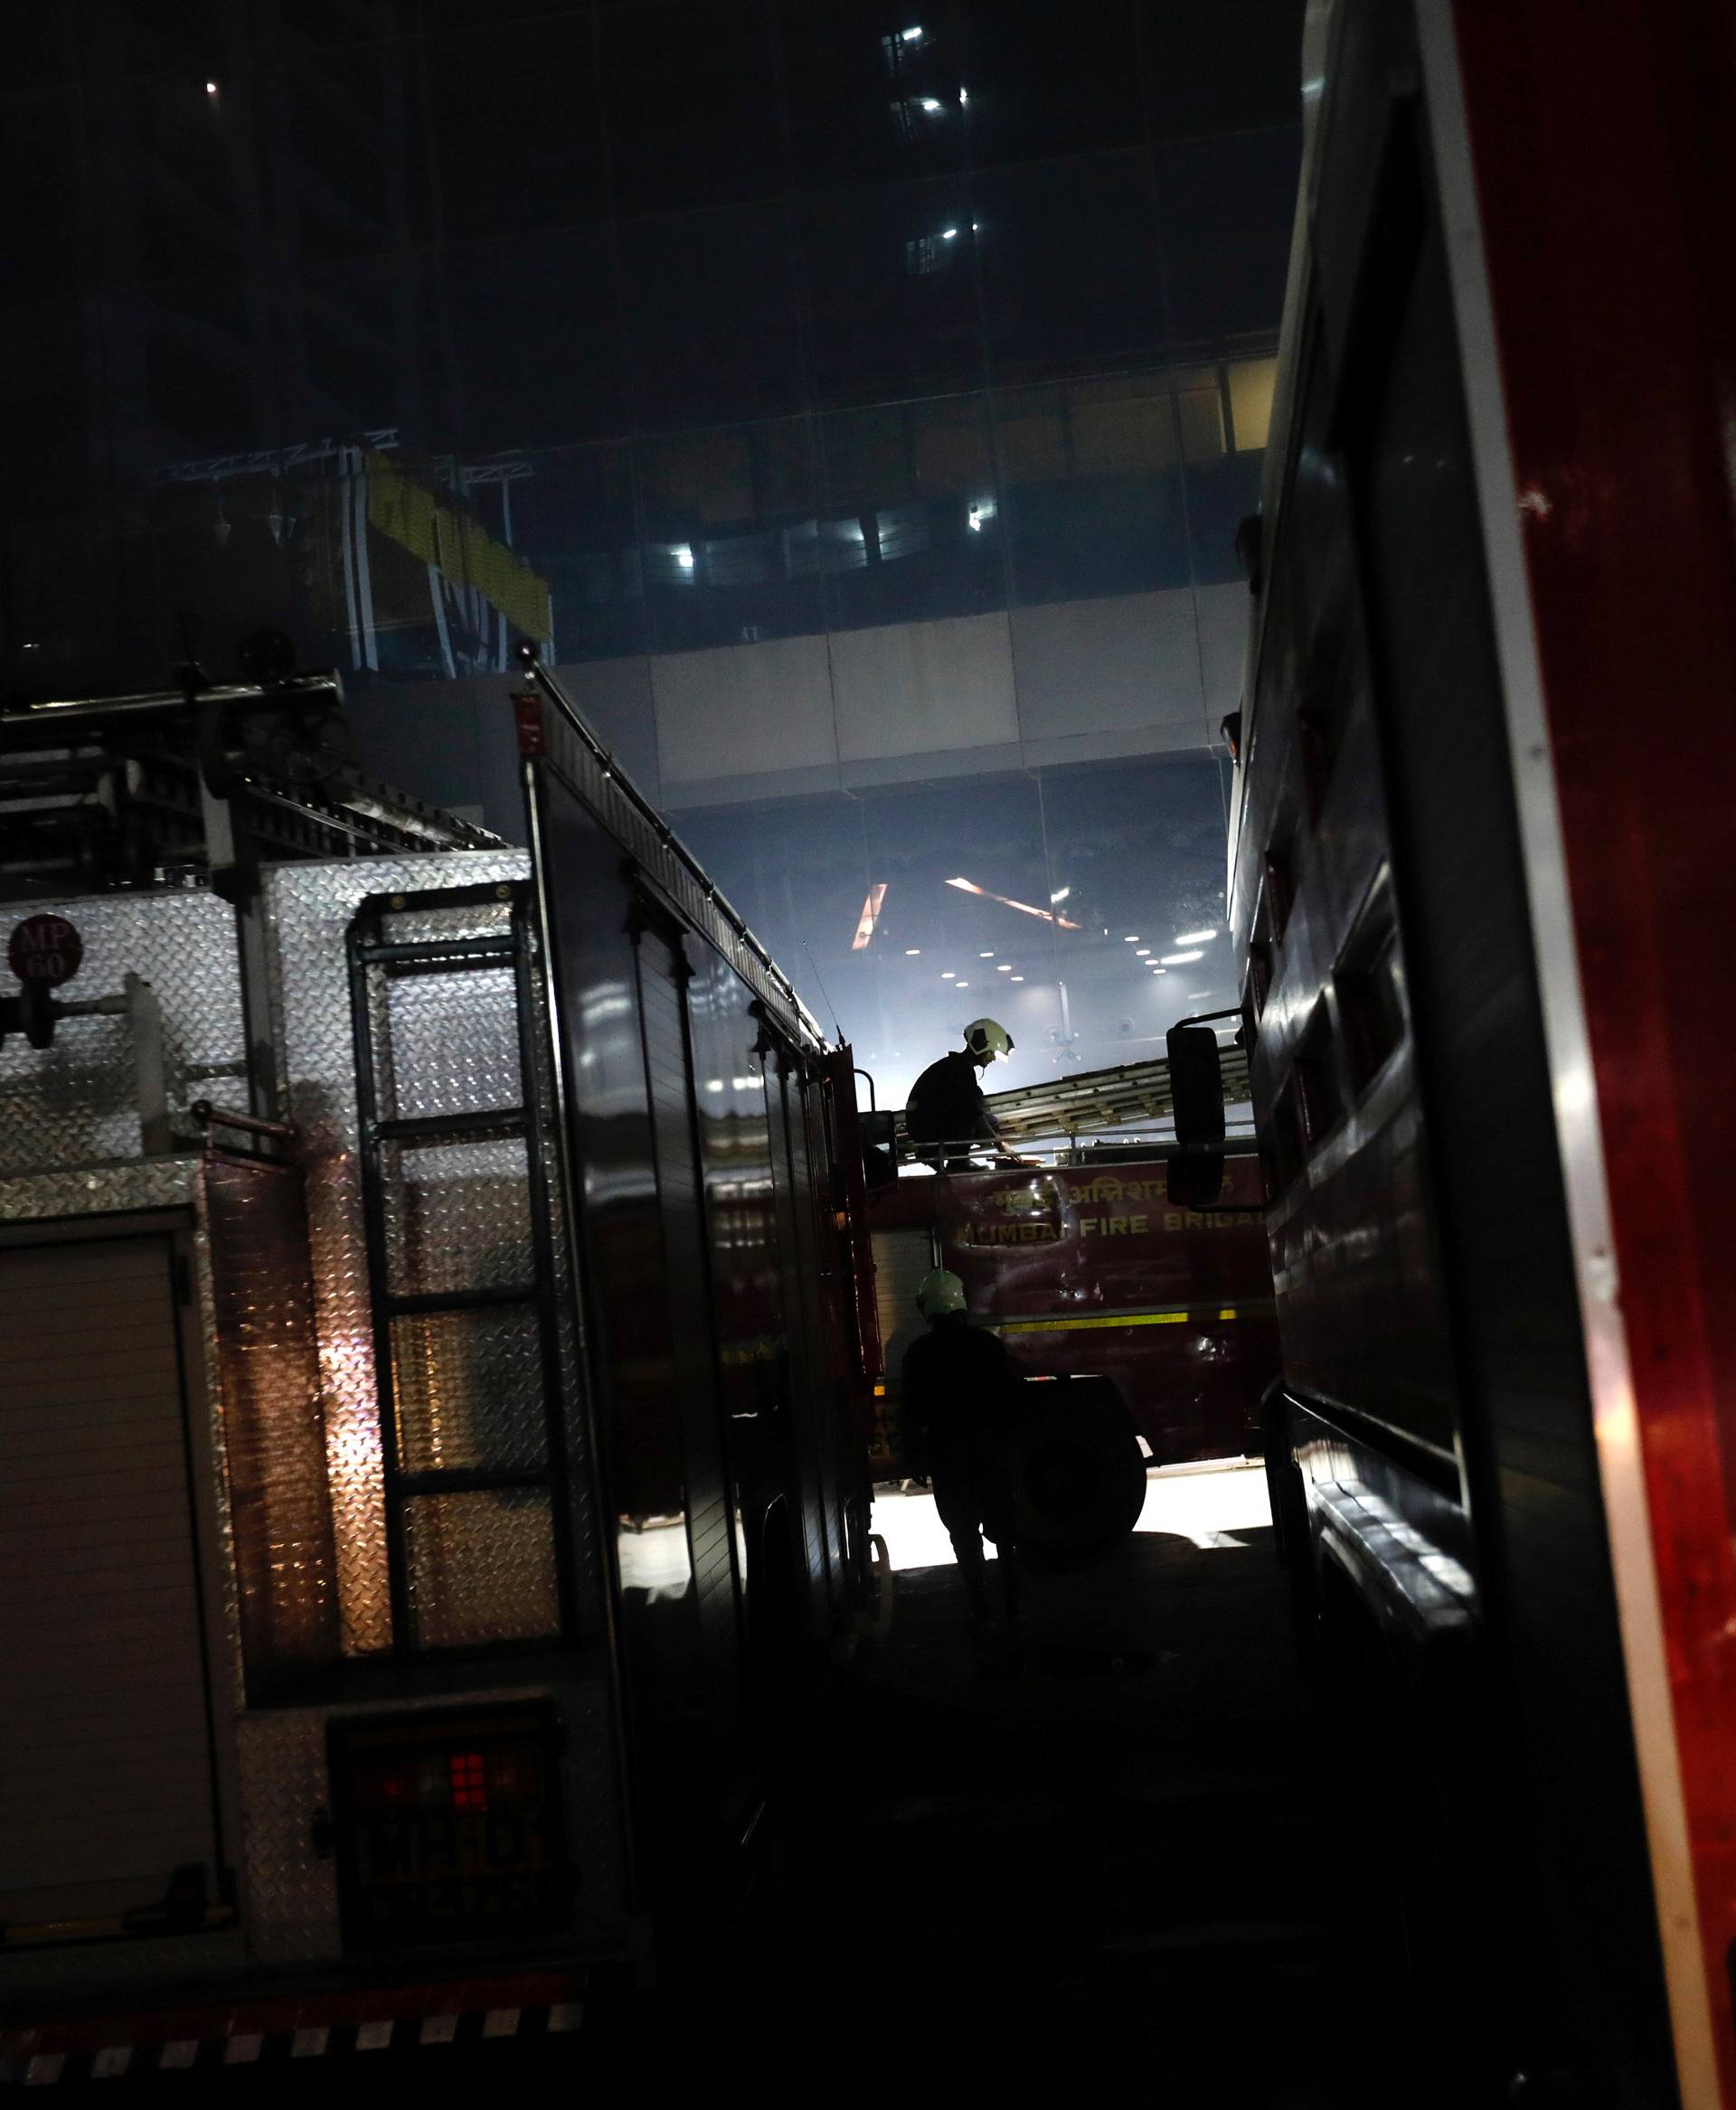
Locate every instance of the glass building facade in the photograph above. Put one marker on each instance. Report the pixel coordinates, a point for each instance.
(856, 401)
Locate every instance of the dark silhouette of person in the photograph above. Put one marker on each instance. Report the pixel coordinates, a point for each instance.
(946, 1112)
(959, 1406)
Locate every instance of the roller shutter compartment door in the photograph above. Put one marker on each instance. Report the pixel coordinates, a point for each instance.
(105, 1732)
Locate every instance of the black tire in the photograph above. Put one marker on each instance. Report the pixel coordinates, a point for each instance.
(1076, 1477)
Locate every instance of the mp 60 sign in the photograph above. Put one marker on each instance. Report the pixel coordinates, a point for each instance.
(45, 949)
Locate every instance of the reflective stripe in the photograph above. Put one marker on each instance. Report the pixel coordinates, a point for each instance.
(1176, 1316)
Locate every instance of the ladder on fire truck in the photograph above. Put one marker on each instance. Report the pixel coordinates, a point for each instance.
(437, 1291)
(1134, 1095)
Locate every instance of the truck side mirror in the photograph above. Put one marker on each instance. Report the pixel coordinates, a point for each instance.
(1195, 1171)
(879, 1149)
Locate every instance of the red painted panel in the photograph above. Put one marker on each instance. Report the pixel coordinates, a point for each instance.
(1605, 151)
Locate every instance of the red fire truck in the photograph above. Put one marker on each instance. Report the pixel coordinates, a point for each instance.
(429, 1361)
(1487, 761)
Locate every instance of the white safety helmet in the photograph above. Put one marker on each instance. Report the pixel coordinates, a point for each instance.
(987, 1037)
(942, 1291)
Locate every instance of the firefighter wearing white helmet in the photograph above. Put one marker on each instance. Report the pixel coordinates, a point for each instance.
(945, 1114)
(959, 1404)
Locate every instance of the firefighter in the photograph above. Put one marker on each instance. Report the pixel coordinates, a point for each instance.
(947, 1111)
(959, 1406)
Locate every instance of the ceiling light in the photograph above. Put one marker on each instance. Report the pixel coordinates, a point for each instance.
(1005, 968)
(985, 956)
(949, 975)
(211, 88)
(869, 916)
(1060, 895)
(1018, 978)
(1132, 940)
(949, 234)
(929, 104)
(684, 558)
(911, 36)
(964, 97)
(912, 952)
(1180, 959)
(1144, 952)
(966, 886)
(1195, 937)
(961, 985)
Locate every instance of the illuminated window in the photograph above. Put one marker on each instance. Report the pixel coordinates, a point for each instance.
(917, 115)
(905, 48)
(1251, 383)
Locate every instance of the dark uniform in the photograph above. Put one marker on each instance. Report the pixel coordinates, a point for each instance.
(959, 1395)
(947, 1106)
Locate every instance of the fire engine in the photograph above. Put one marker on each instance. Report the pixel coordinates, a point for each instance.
(430, 1386)
(1081, 1261)
(1486, 766)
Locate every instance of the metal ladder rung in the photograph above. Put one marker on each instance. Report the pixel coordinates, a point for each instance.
(408, 1303)
(472, 1480)
(451, 954)
(452, 1128)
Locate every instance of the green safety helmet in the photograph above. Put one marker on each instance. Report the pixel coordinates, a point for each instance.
(942, 1291)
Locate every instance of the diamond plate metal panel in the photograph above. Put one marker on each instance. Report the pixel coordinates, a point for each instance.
(273, 1422)
(450, 1041)
(159, 1183)
(310, 906)
(73, 1103)
(481, 1568)
(457, 1216)
(289, 1895)
(469, 1391)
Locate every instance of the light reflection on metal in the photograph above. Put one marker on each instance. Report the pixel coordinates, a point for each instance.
(869, 916)
(966, 886)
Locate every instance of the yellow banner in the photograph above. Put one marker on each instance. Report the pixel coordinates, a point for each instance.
(459, 548)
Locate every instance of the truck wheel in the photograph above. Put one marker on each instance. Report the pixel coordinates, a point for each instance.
(1077, 1475)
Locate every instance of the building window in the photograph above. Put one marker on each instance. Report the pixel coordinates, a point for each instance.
(919, 116)
(905, 48)
(1251, 383)
(924, 253)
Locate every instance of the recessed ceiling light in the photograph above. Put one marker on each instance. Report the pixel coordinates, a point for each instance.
(1144, 952)
(1006, 967)
(961, 985)
(985, 956)
(1133, 939)
(1179, 959)
(947, 976)
(1018, 978)
(1195, 937)
(912, 952)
